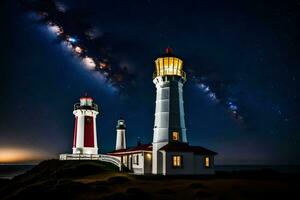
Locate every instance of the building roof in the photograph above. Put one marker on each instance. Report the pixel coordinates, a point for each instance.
(171, 147)
(185, 147)
(140, 148)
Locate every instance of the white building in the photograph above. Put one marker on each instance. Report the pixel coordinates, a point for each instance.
(136, 159)
(170, 152)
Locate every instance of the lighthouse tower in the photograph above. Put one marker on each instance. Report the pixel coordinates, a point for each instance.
(85, 132)
(121, 139)
(169, 124)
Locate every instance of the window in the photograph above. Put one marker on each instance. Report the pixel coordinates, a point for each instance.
(206, 162)
(177, 161)
(125, 160)
(175, 136)
(136, 159)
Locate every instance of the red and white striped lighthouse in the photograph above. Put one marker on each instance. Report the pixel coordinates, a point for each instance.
(85, 132)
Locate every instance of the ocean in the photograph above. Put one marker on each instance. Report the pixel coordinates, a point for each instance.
(277, 168)
(10, 171)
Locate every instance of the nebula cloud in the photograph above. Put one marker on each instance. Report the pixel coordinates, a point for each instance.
(83, 40)
(216, 92)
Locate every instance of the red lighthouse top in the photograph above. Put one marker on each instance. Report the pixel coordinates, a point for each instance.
(86, 102)
(86, 97)
(169, 50)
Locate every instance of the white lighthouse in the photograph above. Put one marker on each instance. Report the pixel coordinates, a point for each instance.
(121, 138)
(85, 132)
(169, 123)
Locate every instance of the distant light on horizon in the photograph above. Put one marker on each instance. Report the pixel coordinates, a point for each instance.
(10, 155)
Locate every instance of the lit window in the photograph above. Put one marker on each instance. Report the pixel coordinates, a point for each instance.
(206, 162)
(177, 161)
(175, 136)
(148, 156)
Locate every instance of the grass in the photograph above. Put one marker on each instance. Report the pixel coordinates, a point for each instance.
(55, 179)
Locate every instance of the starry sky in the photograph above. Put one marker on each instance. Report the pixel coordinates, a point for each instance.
(241, 57)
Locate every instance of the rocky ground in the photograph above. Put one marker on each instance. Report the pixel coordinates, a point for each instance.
(55, 179)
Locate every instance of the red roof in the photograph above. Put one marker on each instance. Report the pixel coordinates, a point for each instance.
(171, 147)
(140, 148)
(185, 147)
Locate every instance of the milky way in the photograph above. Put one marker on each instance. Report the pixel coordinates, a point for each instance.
(84, 41)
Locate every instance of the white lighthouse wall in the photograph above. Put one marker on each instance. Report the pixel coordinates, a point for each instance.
(181, 111)
(121, 139)
(169, 117)
(169, 109)
(80, 134)
(161, 122)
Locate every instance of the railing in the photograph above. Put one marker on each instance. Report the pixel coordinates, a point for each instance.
(181, 74)
(111, 159)
(101, 157)
(92, 107)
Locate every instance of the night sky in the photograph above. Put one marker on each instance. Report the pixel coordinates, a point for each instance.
(242, 59)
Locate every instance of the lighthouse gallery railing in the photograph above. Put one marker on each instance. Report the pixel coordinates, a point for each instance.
(101, 157)
(92, 107)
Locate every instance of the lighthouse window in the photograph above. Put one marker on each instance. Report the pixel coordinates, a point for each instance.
(179, 65)
(175, 136)
(177, 161)
(206, 162)
(176, 62)
(161, 63)
(171, 71)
